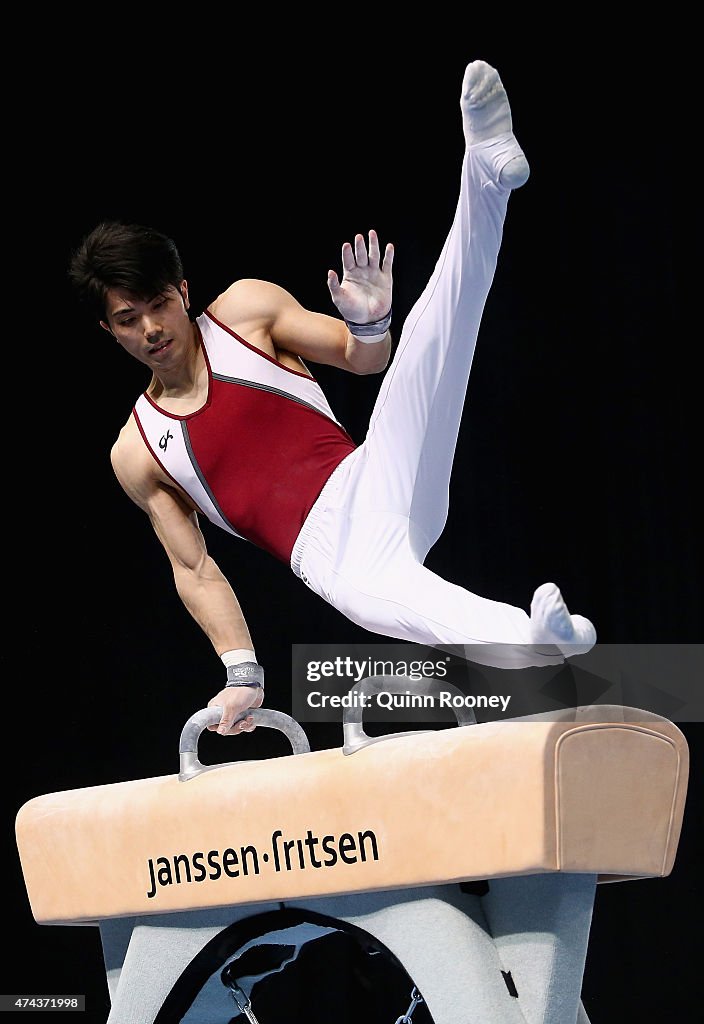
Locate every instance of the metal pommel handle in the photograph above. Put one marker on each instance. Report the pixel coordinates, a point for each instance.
(190, 766)
(354, 735)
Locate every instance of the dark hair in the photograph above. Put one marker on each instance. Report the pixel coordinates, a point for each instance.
(137, 259)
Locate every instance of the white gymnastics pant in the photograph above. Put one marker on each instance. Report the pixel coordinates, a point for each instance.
(363, 543)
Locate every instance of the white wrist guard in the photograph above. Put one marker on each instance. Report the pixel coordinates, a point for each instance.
(238, 656)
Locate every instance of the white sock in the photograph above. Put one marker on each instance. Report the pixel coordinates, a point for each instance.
(486, 115)
(551, 623)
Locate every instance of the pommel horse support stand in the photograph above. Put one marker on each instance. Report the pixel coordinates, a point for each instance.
(376, 838)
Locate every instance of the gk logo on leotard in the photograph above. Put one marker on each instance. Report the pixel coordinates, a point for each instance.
(165, 440)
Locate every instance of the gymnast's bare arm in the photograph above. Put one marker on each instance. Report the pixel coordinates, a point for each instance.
(270, 318)
(200, 584)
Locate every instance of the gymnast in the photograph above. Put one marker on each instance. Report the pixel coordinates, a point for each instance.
(234, 427)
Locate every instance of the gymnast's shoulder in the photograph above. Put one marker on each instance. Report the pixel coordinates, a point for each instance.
(248, 299)
(132, 463)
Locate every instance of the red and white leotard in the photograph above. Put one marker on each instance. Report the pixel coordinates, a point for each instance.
(256, 455)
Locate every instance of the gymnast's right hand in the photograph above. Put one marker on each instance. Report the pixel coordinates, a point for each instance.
(237, 698)
(233, 702)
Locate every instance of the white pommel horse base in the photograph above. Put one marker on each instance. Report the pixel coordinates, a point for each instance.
(181, 872)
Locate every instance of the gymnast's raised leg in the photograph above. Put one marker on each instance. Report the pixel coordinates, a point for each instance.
(388, 504)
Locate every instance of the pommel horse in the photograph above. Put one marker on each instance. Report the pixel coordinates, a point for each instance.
(468, 855)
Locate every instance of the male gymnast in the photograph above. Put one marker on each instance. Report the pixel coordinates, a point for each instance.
(234, 426)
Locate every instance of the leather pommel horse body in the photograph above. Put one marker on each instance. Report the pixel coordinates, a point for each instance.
(598, 790)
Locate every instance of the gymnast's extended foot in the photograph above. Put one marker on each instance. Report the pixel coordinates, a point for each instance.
(486, 115)
(551, 623)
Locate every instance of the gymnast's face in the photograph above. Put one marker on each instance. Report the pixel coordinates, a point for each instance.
(155, 331)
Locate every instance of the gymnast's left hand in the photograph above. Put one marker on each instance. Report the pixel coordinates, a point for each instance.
(364, 295)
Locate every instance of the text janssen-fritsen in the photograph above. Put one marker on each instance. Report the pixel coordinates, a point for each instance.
(283, 855)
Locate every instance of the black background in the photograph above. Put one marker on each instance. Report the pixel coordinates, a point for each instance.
(578, 455)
